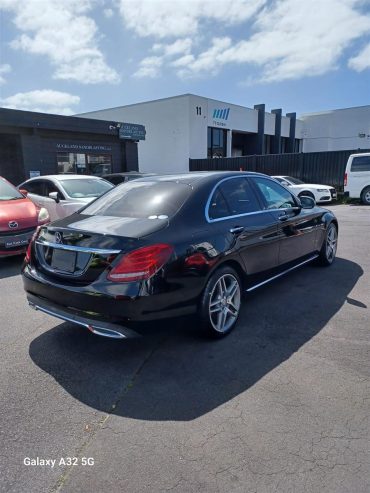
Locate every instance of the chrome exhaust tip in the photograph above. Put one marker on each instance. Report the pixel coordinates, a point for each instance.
(100, 331)
(112, 331)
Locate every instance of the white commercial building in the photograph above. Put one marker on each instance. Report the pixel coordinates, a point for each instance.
(337, 130)
(190, 126)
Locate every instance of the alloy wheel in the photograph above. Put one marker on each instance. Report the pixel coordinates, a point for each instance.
(224, 304)
(331, 243)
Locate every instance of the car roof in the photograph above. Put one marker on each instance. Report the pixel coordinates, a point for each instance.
(130, 173)
(197, 177)
(63, 177)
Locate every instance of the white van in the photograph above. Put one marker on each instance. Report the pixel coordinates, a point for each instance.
(357, 177)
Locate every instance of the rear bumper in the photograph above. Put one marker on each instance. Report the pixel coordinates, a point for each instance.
(104, 304)
(98, 327)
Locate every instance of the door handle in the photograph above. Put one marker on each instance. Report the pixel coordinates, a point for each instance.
(237, 230)
(283, 217)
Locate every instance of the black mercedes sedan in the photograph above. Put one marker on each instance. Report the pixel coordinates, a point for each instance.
(165, 246)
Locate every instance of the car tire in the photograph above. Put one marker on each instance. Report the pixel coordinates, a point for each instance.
(329, 246)
(220, 302)
(365, 196)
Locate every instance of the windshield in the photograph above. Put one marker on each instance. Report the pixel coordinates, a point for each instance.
(295, 181)
(85, 187)
(8, 192)
(141, 199)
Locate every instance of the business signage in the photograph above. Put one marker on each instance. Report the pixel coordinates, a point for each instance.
(220, 117)
(84, 147)
(132, 131)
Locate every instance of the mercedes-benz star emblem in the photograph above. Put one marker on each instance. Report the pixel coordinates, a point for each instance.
(58, 237)
(13, 224)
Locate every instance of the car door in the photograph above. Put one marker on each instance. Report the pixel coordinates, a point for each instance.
(297, 227)
(234, 205)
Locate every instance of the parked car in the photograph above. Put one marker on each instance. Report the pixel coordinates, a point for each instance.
(62, 195)
(172, 245)
(321, 193)
(357, 177)
(19, 218)
(118, 178)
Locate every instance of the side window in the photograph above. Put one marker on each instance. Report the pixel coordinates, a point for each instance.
(360, 163)
(275, 196)
(239, 196)
(36, 187)
(218, 207)
(231, 198)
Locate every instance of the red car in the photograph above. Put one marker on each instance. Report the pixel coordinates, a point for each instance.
(19, 218)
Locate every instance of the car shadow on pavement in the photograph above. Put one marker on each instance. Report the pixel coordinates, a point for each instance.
(171, 374)
(10, 266)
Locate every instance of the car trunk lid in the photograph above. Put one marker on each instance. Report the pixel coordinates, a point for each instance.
(80, 248)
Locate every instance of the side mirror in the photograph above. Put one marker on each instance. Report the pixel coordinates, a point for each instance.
(307, 202)
(23, 192)
(54, 196)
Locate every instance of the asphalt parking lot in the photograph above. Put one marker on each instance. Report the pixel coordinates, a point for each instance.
(281, 405)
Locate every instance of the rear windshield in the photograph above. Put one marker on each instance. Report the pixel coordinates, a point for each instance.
(85, 187)
(361, 163)
(141, 199)
(8, 192)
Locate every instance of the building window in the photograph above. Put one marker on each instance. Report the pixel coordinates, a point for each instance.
(216, 142)
(86, 164)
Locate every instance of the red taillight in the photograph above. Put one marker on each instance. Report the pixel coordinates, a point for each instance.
(27, 258)
(141, 264)
(345, 179)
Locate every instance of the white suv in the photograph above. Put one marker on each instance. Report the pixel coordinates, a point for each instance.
(357, 177)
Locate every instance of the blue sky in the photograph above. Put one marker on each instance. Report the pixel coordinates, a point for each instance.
(72, 56)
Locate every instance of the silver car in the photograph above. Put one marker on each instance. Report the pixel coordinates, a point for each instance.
(62, 195)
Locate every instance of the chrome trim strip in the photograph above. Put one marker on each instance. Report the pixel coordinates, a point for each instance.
(281, 274)
(246, 213)
(74, 248)
(92, 328)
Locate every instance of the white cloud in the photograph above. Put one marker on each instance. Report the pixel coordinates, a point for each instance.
(108, 13)
(293, 39)
(180, 46)
(165, 19)
(62, 32)
(361, 61)
(5, 68)
(284, 39)
(45, 101)
(149, 67)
